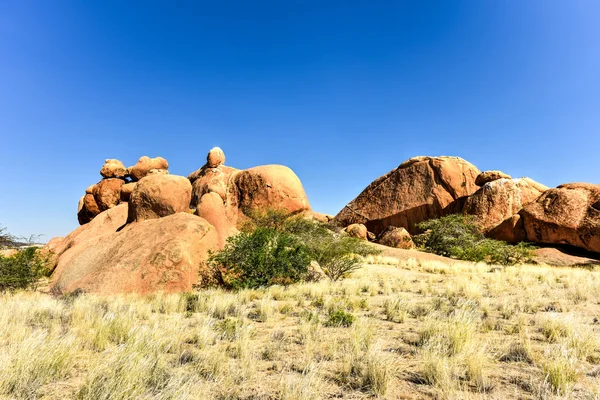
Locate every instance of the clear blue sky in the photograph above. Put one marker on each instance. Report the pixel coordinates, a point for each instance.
(340, 91)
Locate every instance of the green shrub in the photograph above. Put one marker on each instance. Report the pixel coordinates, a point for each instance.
(22, 270)
(276, 247)
(339, 318)
(260, 258)
(458, 236)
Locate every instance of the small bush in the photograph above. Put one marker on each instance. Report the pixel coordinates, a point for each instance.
(260, 258)
(340, 318)
(458, 236)
(22, 270)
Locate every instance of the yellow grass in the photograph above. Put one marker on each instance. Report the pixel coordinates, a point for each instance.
(422, 329)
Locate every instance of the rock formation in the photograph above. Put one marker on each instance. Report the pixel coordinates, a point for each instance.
(116, 186)
(141, 235)
(500, 199)
(246, 191)
(419, 189)
(569, 214)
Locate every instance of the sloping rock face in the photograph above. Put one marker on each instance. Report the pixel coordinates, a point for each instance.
(500, 199)
(421, 188)
(164, 254)
(106, 223)
(569, 214)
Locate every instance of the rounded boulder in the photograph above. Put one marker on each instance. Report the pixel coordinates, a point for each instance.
(159, 195)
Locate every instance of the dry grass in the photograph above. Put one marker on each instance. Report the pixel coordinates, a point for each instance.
(419, 329)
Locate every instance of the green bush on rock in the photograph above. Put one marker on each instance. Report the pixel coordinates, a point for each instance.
(458, 236)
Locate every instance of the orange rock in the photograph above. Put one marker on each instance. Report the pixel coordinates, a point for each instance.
(212, 209)
(105, 223)
(145, 164)
(500, 199)
(158, 195)
(126, 190)
(107, 193)
(396, 237)
(358, 231)
(569, 214)
(113, 169)
(215, 157)
(89, 209)
(167, 254)
(510, 230)
(421, 188)
(490, 176)
(265, 187)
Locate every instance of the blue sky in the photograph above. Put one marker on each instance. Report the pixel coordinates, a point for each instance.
(341, 92)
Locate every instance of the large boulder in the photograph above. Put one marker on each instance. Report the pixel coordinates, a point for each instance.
(159, 195)
(396, 237)
(107, 193)
(113, 169)
(244, 192)
(500, 199)
(358, 231)
(145, 164)
(569, 214)
(420, 188)
(490, 176)
(268, 186)
(167, 254)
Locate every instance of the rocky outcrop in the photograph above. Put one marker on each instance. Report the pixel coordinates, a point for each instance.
(490, 176)
(569, 214)
(117, 185)
(500, 199)
(420, 188)
(244, 192)
(396, 237)
(166, 254)
(141, 235)
(159, 195)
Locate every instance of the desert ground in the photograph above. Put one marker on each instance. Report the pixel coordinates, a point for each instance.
(407, 325)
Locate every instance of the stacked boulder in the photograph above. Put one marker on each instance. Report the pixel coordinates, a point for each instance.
(499, 198)
(146, 230)
(116, 185)
(228, 196)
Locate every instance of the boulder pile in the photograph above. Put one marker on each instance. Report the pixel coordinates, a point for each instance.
(144, 230)
(508, 209)
(116, 185)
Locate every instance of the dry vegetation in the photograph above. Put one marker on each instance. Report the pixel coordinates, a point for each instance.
(409, 329)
